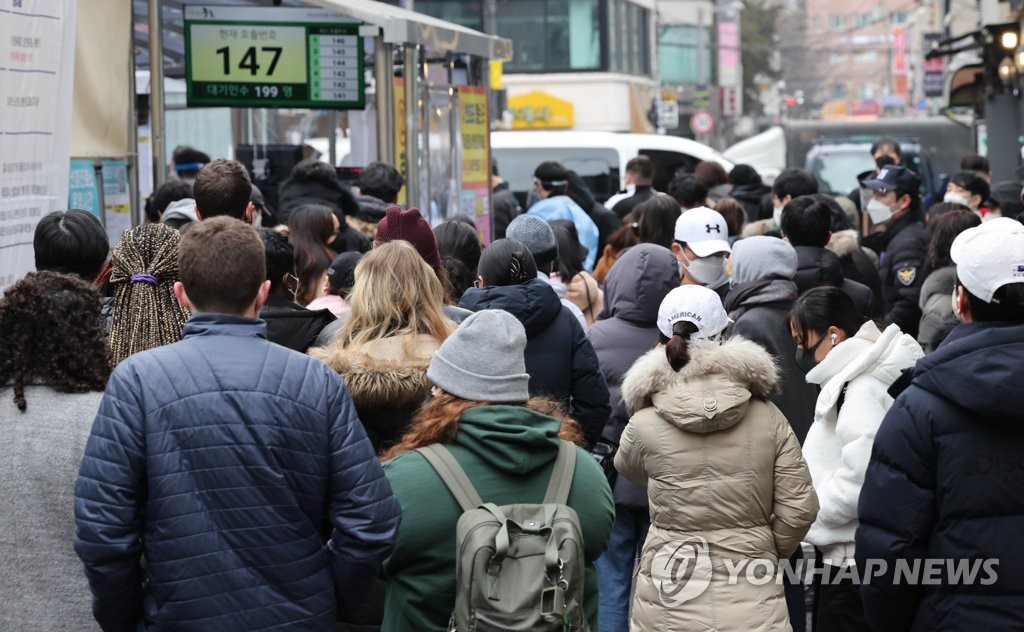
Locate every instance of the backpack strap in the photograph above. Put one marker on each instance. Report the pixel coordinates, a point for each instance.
(452, 474)
(561, 474)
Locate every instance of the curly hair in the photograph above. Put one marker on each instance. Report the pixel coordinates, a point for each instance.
(438, 420)
(52, 333)
(146, 312)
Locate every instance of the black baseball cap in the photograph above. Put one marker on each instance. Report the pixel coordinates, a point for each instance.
(342, 273)
(894, 178)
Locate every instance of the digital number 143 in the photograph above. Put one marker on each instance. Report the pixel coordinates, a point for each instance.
(248, 61)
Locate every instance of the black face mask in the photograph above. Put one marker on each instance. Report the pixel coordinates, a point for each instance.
(805, 357)
(885, 161)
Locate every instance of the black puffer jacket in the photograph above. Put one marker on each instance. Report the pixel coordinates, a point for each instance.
(751, 197)
(559, 357)
(294, 193)
(633, 291)
(506, 209)
(902, 249)
(944, 483)
(817, 267)
(291, 325)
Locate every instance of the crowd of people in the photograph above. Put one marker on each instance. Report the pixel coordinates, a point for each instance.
(316, 411)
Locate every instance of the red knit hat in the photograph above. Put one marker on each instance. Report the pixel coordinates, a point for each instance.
(410, 226)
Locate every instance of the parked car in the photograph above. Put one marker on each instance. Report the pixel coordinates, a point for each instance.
(598, 157)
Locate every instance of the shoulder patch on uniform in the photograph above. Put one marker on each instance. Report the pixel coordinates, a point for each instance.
(906, 276)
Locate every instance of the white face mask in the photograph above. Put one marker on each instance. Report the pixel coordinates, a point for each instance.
(709, 271)
(955, 198)
(879, 212)
(777, 216)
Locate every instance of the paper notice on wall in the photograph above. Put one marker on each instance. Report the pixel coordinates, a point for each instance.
(117, 200)
(36, 79)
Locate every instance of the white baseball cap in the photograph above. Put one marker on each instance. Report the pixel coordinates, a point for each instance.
(989, 256)
(704, 230)
(696, 304)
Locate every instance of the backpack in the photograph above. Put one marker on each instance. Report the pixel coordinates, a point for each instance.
(518, 567)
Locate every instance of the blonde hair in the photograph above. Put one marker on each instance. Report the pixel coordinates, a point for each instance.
(395, 293)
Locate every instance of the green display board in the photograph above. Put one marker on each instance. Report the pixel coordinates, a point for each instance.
(272, 57)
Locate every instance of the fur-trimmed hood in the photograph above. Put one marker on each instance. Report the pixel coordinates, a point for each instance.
(710, 393)
(386, 373)
(844, 242)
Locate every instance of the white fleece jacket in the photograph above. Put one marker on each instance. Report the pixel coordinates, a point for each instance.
(838, 445)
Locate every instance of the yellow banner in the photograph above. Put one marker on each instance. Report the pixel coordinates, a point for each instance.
(540, 110)
(400, 139)
(474, 125)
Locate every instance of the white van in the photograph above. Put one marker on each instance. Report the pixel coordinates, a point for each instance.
(598, 157)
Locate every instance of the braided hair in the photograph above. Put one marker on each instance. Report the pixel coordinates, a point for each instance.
(51, 333)
(146, 312)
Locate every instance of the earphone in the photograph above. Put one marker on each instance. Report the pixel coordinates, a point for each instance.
(833, 340)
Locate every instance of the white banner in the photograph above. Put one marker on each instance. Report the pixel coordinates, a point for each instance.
(37, 40)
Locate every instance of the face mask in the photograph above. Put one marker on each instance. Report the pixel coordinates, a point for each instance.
(955, 198)
(805, 357)
(709, 271)
(879, 212)
(884, 161)
(777, 216)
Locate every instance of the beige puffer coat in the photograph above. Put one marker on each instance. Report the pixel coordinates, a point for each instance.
(726, 483)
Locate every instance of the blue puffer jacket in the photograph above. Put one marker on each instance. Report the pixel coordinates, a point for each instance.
(240, 471)
(945, 482)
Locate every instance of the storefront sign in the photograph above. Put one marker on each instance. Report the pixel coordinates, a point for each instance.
(540, 110)
(474, 128)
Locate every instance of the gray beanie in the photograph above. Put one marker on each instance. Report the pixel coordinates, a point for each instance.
(536, 235)
(484, 359)
(762, 257)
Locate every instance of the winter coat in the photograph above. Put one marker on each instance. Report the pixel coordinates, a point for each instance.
(294, 193)
(41, 578)
(634, 292)
(818, 266)
(583, 292)
(371, 211)
(936, 307)
(291, 325)
(902, 249)
(227, 461)
(607, 223)
(626, 206)
(507, 452)
(559, 357)
(562, 207)
(506, 209)
(855, 378)
(387, 379)
(725, 480)
(760, 311)
(944, 482)
(751, 198)
(858, 266)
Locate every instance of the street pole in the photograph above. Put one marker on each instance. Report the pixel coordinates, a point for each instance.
(156, 92)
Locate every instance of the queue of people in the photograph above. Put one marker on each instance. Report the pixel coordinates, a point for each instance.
(347, 419)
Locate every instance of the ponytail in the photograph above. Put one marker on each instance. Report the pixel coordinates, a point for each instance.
(677, 348)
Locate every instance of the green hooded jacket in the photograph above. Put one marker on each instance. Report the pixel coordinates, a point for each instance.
(507, 452)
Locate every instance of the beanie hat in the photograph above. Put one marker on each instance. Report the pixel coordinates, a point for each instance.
(484, 360)
(536, 234)
(410, 226)
(762, 257)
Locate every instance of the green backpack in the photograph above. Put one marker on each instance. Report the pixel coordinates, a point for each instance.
(519, 567)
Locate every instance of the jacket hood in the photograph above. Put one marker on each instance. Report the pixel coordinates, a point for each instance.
(762, 257)
(534, 303)
(978, 368)
(763, 292)
(183, 209)
(294, 193)
(512, 439)
(883, 355)
(711, 393)
(385, 373)
(817, 266)
(844, 243)
(638, 282)
(938, 282)
(750, 192)
(371, 209)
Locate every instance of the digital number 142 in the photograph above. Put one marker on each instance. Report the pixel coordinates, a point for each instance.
(248, 61)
